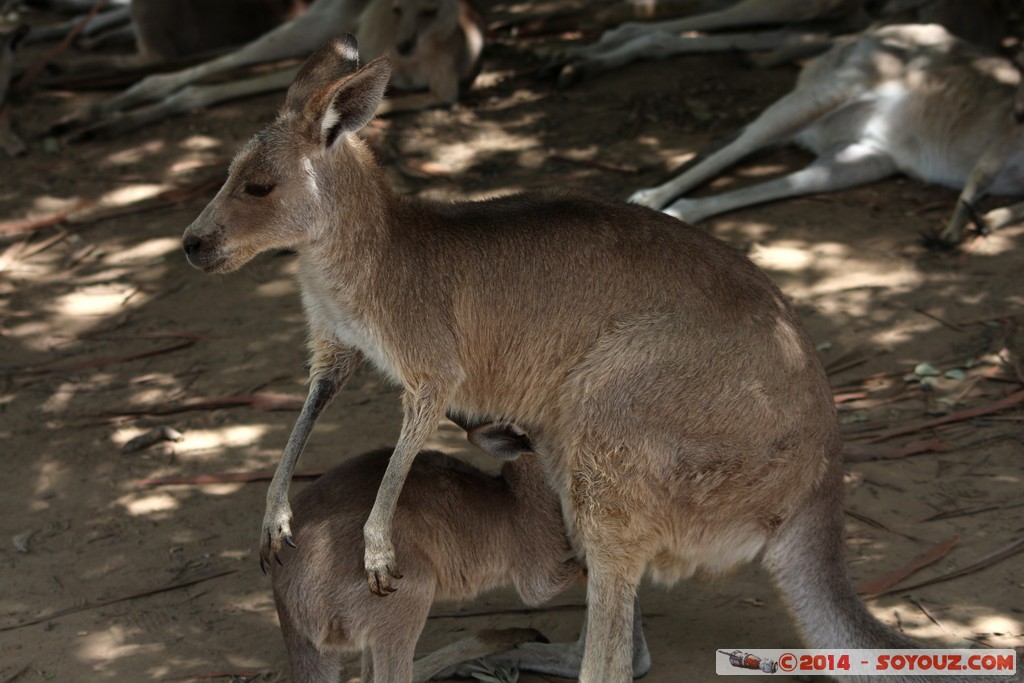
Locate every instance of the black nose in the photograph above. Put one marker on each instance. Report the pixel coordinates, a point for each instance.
(405, 47)
(192, 245)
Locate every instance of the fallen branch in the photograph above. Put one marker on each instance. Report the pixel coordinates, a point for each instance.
(850, 360)
(222, 478)
(260, 401)
(932, 556)
(1002, 404)
(998, 556)
(864, 453)
(165, 199)
(27, 225)
(123, 598)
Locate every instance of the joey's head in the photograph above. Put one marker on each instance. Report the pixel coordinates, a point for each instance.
(288, 183)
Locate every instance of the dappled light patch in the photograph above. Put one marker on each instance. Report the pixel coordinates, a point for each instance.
(145, 251)
(102, 648)
(137, 153)
(131, 194)
(149, 503)
(97, 300)
(196, 443)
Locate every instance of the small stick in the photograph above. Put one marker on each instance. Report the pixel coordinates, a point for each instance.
(123, 598)
(870, 521)
(862, 453)
(917, 603)
(929, 557)
(945, 323)
(1002, 404)
(223, 478)
(970, 511)
(998, 556)
(18, 227)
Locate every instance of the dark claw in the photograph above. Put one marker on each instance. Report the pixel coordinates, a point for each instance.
(278, 558)
(976, 219)
(263, 566)
(933, 242)
(289, 541)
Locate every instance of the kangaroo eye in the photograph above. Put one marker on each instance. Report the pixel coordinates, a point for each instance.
(258, 190)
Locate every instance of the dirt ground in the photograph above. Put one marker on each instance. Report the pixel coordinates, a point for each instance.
(107, 333)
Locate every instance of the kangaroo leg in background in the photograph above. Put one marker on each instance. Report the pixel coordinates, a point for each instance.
(296, 38)
(476, 646)
(983, 176)
(851, 166)
(325, 384)
(663, 44)
(776, 124)
(185, 100)
(743, 13)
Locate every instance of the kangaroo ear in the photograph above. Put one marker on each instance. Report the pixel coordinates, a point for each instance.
(355, 101)
(331, 95)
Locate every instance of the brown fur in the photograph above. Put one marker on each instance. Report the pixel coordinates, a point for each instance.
(680, 409)
(459, 533)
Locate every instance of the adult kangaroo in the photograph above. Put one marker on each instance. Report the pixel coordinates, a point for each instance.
(679, 408)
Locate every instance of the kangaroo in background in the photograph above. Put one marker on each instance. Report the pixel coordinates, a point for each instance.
(804, 28)
(909, 99)
(680, 410)
(436, 46)
(460, 533)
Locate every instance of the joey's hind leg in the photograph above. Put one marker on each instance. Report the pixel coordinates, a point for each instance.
(310, 664)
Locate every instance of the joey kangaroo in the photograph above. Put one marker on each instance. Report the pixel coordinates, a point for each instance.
(681, 412)
(435, 45)
(907, 99)
(459, 533)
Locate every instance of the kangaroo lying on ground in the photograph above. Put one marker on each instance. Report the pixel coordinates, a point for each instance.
(459, 532)
(907, 99)
(680, 409)
(435, 45)
(805, 28)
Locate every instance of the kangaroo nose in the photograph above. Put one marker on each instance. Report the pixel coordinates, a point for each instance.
(192, 245)
(405, 48)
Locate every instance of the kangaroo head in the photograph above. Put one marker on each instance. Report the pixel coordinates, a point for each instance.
(421, 22)
(294, 179)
